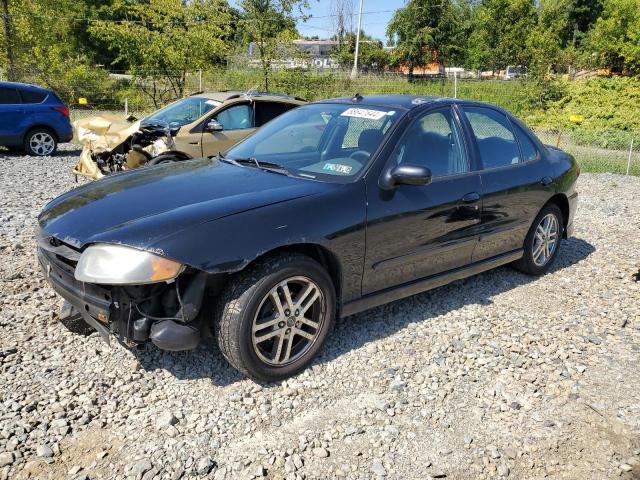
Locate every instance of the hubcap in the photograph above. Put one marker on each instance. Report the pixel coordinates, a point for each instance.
(288, 321)
(545, 239)
(41, 143)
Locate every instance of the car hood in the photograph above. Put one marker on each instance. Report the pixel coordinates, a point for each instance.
(140, 207)
(104, 132)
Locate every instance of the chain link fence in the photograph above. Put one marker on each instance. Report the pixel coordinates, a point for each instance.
(98, 92)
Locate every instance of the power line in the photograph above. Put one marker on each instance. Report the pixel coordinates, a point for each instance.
(198, 22)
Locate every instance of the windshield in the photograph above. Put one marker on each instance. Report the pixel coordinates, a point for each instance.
(330, 142)
(184, 111)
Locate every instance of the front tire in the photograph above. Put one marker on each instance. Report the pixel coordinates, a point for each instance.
(273, 319)
(542, 243)
(40, 142)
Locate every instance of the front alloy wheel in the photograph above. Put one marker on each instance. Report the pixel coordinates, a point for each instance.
(274, 317)
(40, 143)
(288, 321)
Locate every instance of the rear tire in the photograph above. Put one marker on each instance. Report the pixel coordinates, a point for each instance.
(542, 243)
(40, 142)
(273, 319)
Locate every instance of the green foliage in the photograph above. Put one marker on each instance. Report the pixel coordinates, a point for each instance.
(41, 45)
(499, 36)
(581, 15)
(615, 37)
(270, 24)
(424, 31)
(162, 40)
(544, 41)
(608, 107)
(372, 57)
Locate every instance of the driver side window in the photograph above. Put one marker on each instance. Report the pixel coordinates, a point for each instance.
(237, 117)
(433, 140)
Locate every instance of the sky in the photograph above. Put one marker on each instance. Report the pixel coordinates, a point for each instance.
(376, 15)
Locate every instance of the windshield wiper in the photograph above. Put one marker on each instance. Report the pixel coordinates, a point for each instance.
(253, 162)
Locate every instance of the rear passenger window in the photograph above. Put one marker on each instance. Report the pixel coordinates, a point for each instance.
(29, 96)
(9, 96)
(528, 149)
(495, 138)
(266, 111)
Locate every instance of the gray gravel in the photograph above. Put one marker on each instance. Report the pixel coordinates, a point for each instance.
(501, 375)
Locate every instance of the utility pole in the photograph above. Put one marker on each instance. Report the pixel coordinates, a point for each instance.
(8, 37)
(354, 71)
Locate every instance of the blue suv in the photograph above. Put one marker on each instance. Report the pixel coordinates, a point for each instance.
(32, 118)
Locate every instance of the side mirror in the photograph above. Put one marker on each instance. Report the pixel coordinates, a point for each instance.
(213, 126)
(405, 175)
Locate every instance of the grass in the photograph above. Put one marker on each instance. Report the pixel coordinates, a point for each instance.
(594, 159)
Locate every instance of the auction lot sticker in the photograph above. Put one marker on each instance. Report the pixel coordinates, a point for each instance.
(363, 113)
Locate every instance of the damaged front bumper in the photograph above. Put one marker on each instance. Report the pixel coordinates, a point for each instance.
(168, 315)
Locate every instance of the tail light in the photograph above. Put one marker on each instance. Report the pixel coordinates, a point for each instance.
(63, 110)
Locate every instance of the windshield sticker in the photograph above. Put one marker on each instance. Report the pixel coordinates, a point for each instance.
(213, 102)
(338, 168)
(364, 113)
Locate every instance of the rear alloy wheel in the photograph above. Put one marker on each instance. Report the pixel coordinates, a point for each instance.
(542, 243)
(40, 142)
(274, 318)
(545, 239)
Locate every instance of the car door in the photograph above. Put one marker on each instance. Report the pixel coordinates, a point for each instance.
(515, 184)
(12, 113)
(418, 231)
(237, 122)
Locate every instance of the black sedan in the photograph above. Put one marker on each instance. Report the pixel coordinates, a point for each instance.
(328, 210)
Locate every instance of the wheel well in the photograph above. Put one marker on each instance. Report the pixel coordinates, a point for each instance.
(41, 127)
(320, 254)
(560, 199)
(177, 153)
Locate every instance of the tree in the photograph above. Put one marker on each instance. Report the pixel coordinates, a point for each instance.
(44, 43)
(423, 31)
(500, 30)
(544, 41)
(271, 26)
(372, 55)
(162, 40)
(342, 19)
(581, 15)
(8, 40)
(615, 37)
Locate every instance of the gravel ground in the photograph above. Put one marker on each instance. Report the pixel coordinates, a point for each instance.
(500, 375)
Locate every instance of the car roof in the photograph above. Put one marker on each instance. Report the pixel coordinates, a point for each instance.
(224, 95)
(27, 86)
(407, 102)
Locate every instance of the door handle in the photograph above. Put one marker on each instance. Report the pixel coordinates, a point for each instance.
(546, 181)
(472, 197)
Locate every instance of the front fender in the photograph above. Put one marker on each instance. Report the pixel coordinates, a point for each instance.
(335, 220)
